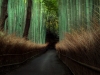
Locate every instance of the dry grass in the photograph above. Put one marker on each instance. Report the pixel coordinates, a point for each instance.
(83, 46)
(10, 44)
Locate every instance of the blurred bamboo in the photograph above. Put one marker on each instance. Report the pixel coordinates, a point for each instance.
(28, 18)
(74, 14)
(16, 17)
(0, 7)
(37, 28)
(3, 13)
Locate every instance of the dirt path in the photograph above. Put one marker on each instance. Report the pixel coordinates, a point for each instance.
(46, 64)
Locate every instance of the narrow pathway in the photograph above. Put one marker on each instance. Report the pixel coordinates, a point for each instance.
(46, 64)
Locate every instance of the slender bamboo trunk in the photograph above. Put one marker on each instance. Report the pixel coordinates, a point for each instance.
(4, 15)
(28, 18)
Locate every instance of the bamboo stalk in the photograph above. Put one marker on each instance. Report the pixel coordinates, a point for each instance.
(36, 31)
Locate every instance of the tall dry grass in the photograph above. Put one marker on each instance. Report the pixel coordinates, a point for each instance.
(14, 49)
(82, 46)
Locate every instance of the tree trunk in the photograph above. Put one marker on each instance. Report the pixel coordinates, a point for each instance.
(4, 13)
(28, 18)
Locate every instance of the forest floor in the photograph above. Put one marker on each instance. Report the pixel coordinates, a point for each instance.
(45, 64)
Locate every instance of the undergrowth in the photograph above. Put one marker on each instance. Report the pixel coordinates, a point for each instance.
(14, 49)
(82, 46)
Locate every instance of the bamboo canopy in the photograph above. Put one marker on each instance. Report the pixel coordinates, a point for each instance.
(73, 14)
(15, 23)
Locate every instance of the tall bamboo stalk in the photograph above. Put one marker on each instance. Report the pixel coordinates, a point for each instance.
(16, 16)
(37, 28)
(0, 7)
(75, 14)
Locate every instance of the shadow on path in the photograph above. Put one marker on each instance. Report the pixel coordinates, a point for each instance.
(46, 64)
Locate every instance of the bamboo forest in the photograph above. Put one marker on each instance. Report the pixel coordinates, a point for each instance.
(49, 37)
